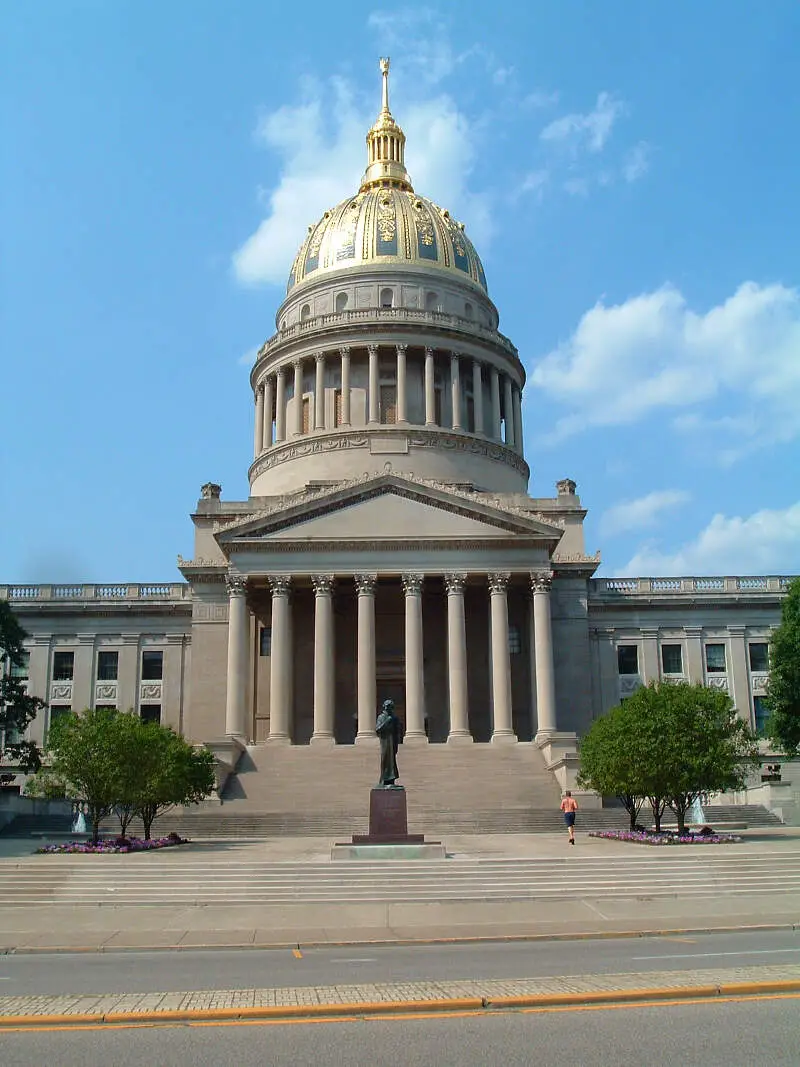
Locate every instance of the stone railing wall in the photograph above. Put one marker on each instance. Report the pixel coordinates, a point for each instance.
(387, 315)
(713, 586)
(171, 591)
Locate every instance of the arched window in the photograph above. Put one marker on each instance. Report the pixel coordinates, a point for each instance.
(387, 298)
(468, 311)
(305, 313)
(341, 301)
(431, 301)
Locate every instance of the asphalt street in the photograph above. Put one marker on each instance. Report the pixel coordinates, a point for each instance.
(188, 970)
(715, 1034)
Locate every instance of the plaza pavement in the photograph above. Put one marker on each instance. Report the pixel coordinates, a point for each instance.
(287, 892)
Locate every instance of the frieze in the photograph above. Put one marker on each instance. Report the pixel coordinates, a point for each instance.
(284, 452)
(295, 547)
(61, 691)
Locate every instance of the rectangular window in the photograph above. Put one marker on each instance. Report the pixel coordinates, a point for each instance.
(759, 657)
(672, 659)
(388, 414)
(152, 666)
(628, 659)
(150, 713)
(715, 659)
(437, 406)
(63, 666)
(514, 641)
(107, 666)
(762, 713)
(105, 707)
(58, 711)
(20, 671)
(265, 641)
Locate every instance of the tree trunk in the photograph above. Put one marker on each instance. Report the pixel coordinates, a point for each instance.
(95, 817)
(147, 822)
(680, 815)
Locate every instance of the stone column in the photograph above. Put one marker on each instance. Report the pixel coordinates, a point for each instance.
(268, 406)
(695, 668)
(477, 395)
(508, 405)
(238, 649)
(649, 669)
(345, 356)
(280, 681)
(455, 390)
(430, 389)
(258, 444)
(503, 730)
(367, 687)
(373, 415)
(494, 383)
(739, 674)
(415, 669)
(457, 660)
(280, 405)
(319, 393)
(324, 652)
(545, 675)
(518, 436)
(298, 398)
(402, 403)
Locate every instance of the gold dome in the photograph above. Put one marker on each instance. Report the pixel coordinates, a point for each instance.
(386, 223)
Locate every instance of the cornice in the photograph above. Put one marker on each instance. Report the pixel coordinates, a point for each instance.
(284, 546)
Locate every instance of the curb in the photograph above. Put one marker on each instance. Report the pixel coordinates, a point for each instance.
(445, 1005)
(478, 939)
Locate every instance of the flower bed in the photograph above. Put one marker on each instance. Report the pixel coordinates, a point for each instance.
(667, 837)
(117, 844)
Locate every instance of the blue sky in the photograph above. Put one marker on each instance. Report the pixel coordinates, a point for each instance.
(627, 171)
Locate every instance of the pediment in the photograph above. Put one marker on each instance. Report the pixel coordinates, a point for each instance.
(389, 509)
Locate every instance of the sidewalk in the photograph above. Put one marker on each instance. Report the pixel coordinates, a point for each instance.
(388, 999)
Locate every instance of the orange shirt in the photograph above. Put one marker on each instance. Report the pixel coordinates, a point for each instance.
(569, 804)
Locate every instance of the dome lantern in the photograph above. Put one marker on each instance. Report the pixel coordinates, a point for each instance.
(386, 145)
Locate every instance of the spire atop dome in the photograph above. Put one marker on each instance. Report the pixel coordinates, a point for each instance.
(386, 144)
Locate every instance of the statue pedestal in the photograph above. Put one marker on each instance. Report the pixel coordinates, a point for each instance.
(388, 836)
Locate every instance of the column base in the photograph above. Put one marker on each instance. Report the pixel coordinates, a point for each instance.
(414, 739)
(278, 739)
(504, 737)
(322, 739)
(460, 739)
(370, 739)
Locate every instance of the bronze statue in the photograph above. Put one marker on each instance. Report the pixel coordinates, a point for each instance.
(389, 729)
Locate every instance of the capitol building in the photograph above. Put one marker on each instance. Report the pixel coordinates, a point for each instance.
(390, 545)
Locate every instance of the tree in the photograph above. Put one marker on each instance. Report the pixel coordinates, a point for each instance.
(668, 743)
(783, 691)
(88, 758)
(17, 707)
(610, 763)
(161, 770)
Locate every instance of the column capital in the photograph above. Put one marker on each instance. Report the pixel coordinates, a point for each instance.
(498, 581)
(280, 584)
(454, 582)
(280, 373)
(372, 350)
(541, 583)
(454, 355)
(323, 584)
(428, 350)
(236, 584)
(320, 357)
(365, 583)
(412, 584)
(344, 351)
(401, 348)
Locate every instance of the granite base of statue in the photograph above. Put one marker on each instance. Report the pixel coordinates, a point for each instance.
(388, 836)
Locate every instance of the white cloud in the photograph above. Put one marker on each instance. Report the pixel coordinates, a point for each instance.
(637, 162)
(248, 358)
(540, 98)
(320, 145)
(532, 184)
(765, 542)
(641, 513)
(653, 352)
(589, 130)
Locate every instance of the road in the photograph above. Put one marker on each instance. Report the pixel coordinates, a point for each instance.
(130, 972)
(714, 1034)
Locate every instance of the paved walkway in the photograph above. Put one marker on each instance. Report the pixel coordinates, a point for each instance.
(387, 998)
